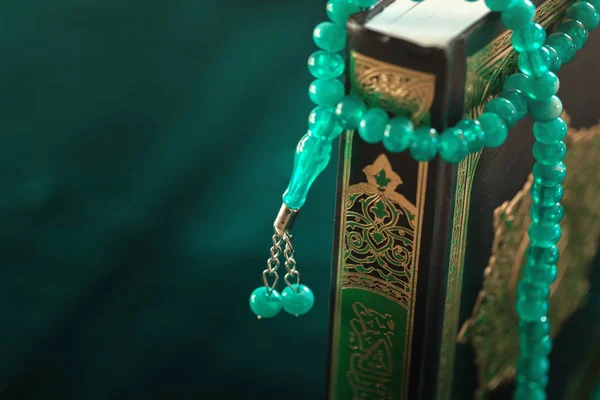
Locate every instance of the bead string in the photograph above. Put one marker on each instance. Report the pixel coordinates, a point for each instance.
(531, 92)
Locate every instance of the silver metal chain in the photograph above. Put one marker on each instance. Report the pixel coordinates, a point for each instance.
(273, 263)
(290, 264)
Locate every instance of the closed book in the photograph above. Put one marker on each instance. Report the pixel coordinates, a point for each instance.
(427, 255)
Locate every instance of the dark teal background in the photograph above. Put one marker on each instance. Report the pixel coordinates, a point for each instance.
(144, 147)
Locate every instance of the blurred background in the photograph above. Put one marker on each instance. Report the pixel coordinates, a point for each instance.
(144, 148)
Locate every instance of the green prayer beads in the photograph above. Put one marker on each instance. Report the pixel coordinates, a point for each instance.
(330, 36)
(326, 91)
(473, 133)
(325, 65)
(297, 299)
(530, 37)
(518, 14)
(564, 46)
(576, 31)
(265, 303)
(339, 10)
(585, 13)
(494, 129)
(453, 147)
(372, 125)
(424, 144)
(398, 134)
(350, 111)
(323, 123)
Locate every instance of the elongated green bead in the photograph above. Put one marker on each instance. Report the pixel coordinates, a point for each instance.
(518, 15)
(549, 215)
(350, 111)
(518, 100)
(576, 31)
(555, 62)
(312, 156)
(585, 13)
(543, 87)
(325, 65)
(550, 132)
(327, 92)
(452, 146)
(398, 134)
(372, 125)
(535, 62)
(564, 46)
(424, 144)
(545, 110)
(323, 123)
(530, 37)
(504, 109)
(330, 36)
(549, 174)
(340, 10)
(473, 133)
(494, 128)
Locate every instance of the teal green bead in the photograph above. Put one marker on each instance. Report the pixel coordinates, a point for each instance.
(504, 109)
(546, 195)
(265, 303)
(535, 62)
(398, 134)
(473, 133)
(530, 347)
(330, 36)
(424, 144)
(312, 156)
(555, 62)
(548, 215)
(595, 4)
(325, 65)
(576, 31)
(585, 13)
(499, 5)
(551, 131)
(323, 123)
(535, 330)
(549, 153)
(518, 15)
(365, 3)
(516, 81)
(528, 290)
(545, 110)
(531, 310)
(543, 87)
(533, 368)
(536, 255)
(327, 92)
(518, 100)
(549, 174)
(494, 129)
(372, 125)
(530, 37)
(530, 391)
(564, 46)
(543, 275)
(452, 146)
(350, 111)
(340, 10)
(297, 300)
(544, 235)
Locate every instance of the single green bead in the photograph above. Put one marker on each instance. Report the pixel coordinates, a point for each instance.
(330, 36)
(350, 111)
(516, 81)
(535, 62)
(340, 10)
(548, 215)
(528, 38)
(576, 31)
(424, 144)
(531, 310)
(549, 174)
(518, 100)
(543, 275)
(536, 255)
(555, 62)
(595, 4)
(533, 368)
(535, 330)
(499, 5)
(398, 134)
(537, 347)
(473, 133)
(545, 110)
(325, 65)
(564, 46)
(372, 125)
(494, 129)
(530, 391)
(452, 146)
(323, 123)
(297, 300)
(528, 290)
(549, 153)
(585, 13)
(265, 303)
(551, 131)
(546, 195)
(365, 3)
(504, 109)
(544, 235)
(543, 87)
(518, 15)
(327, 92)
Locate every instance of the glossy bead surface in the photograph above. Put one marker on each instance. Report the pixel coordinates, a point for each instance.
(530, 37)
(545, 110)
(340, 10)
(372, 125)
(327, 92)
(398, 134)
(549, 153)
(424, 144)
(535, 330)
(550, 132)
(543, 275)
(325, 65)
(542, 255)
(494, 129)
(586, 13)
(576, 31)
(518, 100)
(297, 301)
(323, 123)
(312, 156)
(452, 146)
(350, 111)
(504, 109)
(530, 347)
(544, 235)
(535, 62)
(518, 15)
(543, 87)
(330, 36)
(555, 62)
(516, 81)
(533, 368)
(265, 303)
(531, 310)
(564, 46)
(548, 215)
(530, 291)
(546, 195)
(473, 133)
(549, 174)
